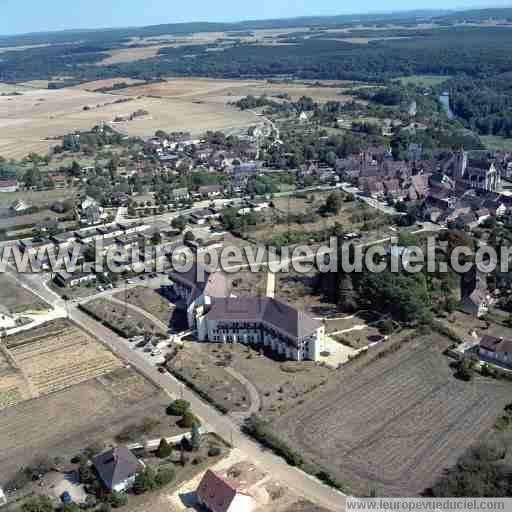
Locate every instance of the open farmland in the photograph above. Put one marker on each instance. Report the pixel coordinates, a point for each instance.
(26, 121)
(227, 91)
(396, 423)
(96, 410)
(58, 355)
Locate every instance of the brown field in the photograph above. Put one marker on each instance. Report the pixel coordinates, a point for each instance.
(393, 425)
(25, 121)
(126, 321)
(58, 355)
(16, 299)
(108, 82)
(96, 410)
(149, 300)
(195, 363)
(130, 54)
(226, 91)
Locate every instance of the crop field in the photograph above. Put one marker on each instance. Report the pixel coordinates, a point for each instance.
(130, 54)
(96, 410)
(58, 355)
(34, 121)
(394, 424)
(13, 387)
(228, 91)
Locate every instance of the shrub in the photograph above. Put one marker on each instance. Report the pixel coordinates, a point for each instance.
(178, 408)
(164, 476)
(118, 499)
(145, 481)
(198, 460)
(188, 420)
(164, 450)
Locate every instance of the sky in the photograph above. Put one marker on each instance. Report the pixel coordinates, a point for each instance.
(21, 16)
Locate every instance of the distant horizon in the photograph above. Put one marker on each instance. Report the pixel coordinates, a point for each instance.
(264, 14)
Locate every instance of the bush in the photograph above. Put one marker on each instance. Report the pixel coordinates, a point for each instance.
(178, 408)
(38, 504)
(118, 499)
(188, 420)
(198, 460)
(164, 477)
(164, 450)
(145, 481)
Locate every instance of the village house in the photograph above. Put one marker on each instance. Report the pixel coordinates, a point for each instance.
(210, 191)
(218, 494)
(475, 296)
(18, 206)
(8, 185)
(180, 194)
(202, 216)
(57, 180)
(117, 468)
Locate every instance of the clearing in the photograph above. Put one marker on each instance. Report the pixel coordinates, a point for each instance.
(423, 80)
(393, 424)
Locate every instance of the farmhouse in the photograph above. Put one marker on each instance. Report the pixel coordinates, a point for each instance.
(218, 494)
(8, 185)
(117, 468)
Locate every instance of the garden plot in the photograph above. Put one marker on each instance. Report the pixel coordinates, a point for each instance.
(58, 355)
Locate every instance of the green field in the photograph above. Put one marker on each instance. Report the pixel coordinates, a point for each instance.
(423, 80)
(496, 142)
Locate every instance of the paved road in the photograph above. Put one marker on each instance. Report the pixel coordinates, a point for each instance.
(297, 480)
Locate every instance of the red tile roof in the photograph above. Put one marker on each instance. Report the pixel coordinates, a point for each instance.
(216, 492)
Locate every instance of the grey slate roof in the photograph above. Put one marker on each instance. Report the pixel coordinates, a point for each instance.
(116, 465)
(274, 313)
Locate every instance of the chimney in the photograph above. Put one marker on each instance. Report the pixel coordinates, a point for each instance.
(270, 285)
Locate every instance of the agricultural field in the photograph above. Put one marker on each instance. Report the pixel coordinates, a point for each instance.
(123, 320)
(58, 355)
(34, 121)
(149, 300)
(96, 410)
(215, 91)
(393, 424)
(423, 80)
(17, 300)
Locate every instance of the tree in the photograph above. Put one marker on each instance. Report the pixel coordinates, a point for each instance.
(195, 438)
(70, 507)
(144, 481)
(179, 223)
(188, 420)
(38, 504)
(118, 499)
(189, 236)
(333, 204)
(164, 449)
(156, 238)
(178, 407)
(85, 473)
